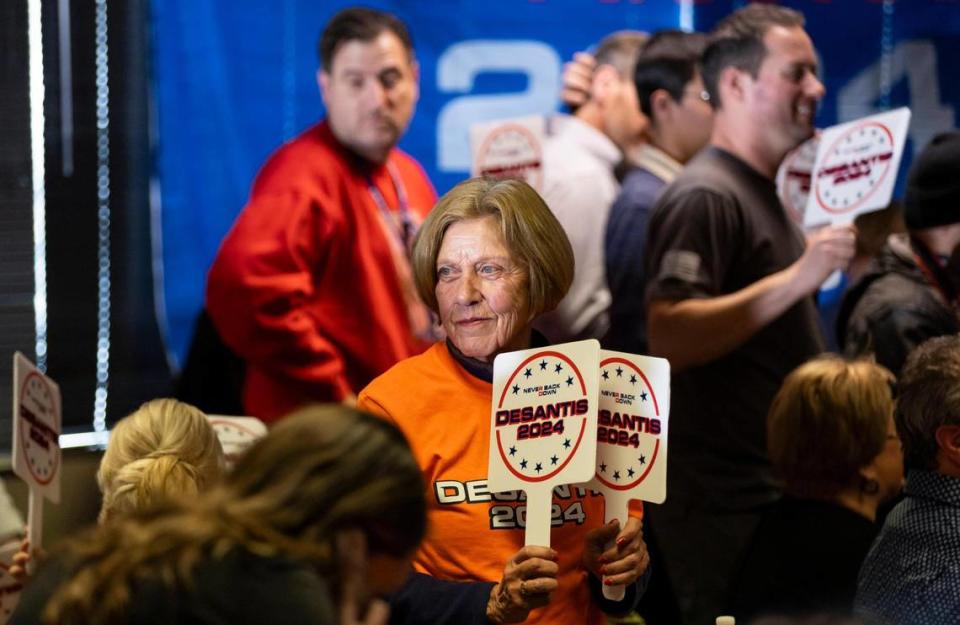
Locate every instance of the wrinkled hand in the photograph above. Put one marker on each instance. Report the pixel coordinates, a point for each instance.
(828, 249)
(625, 560)
(529, 578)
(577, 78)
(356, 608)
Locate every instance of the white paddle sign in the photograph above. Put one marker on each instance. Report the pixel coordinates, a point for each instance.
(856, 167)
(543, 426)
(37, 415)
(631, 435)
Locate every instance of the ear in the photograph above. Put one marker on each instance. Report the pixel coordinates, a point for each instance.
(732, 84)
(661, 105)
(605, 79)
(323, 84)
(948, 442)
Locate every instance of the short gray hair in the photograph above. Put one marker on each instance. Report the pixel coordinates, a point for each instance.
(929, 397)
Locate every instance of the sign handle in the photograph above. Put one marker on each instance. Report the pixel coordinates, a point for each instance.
(539, 510)
(615, 508)
(34, 527)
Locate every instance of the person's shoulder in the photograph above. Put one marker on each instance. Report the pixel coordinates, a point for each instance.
(403, 376)
(640, 186)
(311, 156)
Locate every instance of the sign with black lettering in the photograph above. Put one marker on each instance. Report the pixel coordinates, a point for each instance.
(856, 167)
(543, 425)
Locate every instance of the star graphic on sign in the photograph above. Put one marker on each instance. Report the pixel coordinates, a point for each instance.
(630, 472)
(603, 468)
(516, 389)
(642, 459)
(606, 376)
(553, 459)
(513, 451)
(523, 464)
(543, 365)
(633, 379)
(619, 372)
(570, 381)
(558, 368)
(538, 468)
(643, 395)
(616, 475)
(528, 373)
(566, 444)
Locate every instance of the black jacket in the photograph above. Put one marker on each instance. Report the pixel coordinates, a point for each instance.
(893, 308)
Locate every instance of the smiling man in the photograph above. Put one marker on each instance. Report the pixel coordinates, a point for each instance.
(312, 285)
(730, 297)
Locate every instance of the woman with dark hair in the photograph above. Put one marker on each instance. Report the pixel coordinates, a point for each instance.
(331, 497)
(832, 441)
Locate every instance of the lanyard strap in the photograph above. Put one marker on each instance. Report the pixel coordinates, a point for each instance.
(403, 231)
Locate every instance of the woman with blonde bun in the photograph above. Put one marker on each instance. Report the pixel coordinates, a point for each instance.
(165, 448)
(324, 512)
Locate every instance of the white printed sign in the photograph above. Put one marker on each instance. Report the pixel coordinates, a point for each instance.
(236, 434)
(543, 426)
(632, 422)
(509, 149)
(36, 428)
(793, 178)
(37, 415)
(856, 167)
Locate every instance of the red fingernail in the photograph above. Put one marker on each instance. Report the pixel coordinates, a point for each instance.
(603, 570)
(602, 560)
(621, 541)
(608, 582)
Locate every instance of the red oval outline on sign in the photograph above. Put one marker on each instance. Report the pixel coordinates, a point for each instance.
(23, 436)
(656, 410)
(853, 206)
(583, 422)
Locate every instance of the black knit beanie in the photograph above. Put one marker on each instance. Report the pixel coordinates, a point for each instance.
(933, 186)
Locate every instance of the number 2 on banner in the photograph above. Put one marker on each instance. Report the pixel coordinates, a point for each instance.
(457, 70)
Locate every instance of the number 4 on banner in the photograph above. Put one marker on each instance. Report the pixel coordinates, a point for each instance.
(37, 411)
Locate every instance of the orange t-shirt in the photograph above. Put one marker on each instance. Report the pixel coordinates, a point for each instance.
(444, 411)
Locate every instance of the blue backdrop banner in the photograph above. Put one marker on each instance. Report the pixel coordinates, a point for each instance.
(233, 80)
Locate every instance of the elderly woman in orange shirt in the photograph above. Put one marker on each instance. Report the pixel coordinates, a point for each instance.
(488, 260)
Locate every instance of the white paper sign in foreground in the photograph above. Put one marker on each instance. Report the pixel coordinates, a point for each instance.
(543, 426)
(632, 422)
(856, 167)
(37, 415)
(236, 434)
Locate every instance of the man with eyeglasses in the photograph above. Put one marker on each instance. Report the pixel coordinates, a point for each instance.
(671, 94)
(730, 303)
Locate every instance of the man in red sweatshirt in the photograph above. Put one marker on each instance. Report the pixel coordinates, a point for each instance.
(312, 285)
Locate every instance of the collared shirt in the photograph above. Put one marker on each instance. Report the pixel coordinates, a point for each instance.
(912, 574)
(657, 162)
(579, 187)
(625, 243)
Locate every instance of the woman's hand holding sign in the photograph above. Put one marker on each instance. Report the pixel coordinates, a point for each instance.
(625, 560)
(529, 578)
